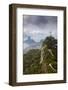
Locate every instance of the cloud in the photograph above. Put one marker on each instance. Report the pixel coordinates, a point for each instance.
(38, 27)
(38, 20)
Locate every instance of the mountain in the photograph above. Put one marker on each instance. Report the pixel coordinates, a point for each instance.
(32, 44)
(29, 41)
(33, 56)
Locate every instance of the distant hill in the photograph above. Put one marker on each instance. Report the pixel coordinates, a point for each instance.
(29, 41)
(32, 44)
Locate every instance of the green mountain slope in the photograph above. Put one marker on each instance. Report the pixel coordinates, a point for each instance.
(43, 60)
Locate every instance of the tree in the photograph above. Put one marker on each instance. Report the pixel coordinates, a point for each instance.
(49, 55)
(31, 62)
(43, 60)
(50, 41)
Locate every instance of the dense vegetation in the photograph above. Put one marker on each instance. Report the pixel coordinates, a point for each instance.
(32, 59)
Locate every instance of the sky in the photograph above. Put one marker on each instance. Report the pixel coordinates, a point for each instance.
(39, 27)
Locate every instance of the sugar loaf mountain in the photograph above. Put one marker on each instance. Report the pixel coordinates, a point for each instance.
(40, 57)
(32, 44)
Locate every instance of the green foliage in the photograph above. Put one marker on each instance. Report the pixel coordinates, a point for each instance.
(50, 41)
(31, 60)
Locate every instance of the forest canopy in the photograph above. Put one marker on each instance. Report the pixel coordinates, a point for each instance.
(43, 60)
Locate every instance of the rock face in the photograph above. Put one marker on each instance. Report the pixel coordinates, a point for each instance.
(46, 55)
(48, 58)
